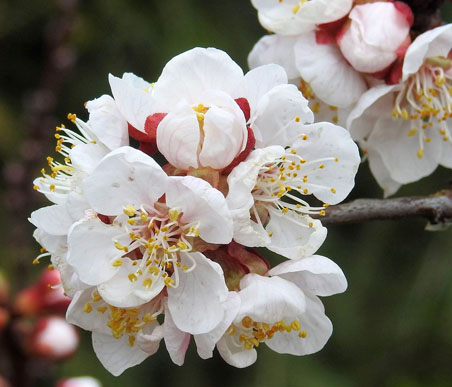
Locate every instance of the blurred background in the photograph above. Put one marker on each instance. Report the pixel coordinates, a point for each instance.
(393, 326)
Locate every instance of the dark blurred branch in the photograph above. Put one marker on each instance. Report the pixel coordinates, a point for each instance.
(437, 208)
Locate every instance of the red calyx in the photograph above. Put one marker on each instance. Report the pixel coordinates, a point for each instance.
(244, 154)
(148, 138)
(244, 107)
(328, 33)
(405, 10)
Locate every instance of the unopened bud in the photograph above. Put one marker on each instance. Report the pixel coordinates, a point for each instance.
(82, 381)
(53, 338)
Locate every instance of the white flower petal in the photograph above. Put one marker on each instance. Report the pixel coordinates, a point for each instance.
(86, 157)
(236, 356)
(188, 75)
(318, 328)
(132, 98)
(119, 291)
(381, 173)
(178, 137)
(399, 151)
(116, 355)
(435, 42)
(331, 146)
(375, 103)
(281, 106)
(292, 237)
(125, 176)
(446, 154)
(333, 80)
(318, 275)
(196, 304)
(107, 123)
(176, 341)
(269, 300)
(91, 250)
(259, 81)
(203, 204)
(54, 220)
(275, 49)
(93, 321)
(223, 138)
(205, 343)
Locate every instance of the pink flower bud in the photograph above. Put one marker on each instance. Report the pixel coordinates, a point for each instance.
(45, 295)
(371, 40)
(53, 338)
(82, 381)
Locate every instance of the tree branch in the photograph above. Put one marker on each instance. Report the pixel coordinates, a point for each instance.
(437, 208)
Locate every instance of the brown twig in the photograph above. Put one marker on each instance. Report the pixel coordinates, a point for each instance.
(437, 208)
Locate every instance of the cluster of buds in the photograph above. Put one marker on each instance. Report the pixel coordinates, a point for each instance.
(33, 323)
(152, 251)
(361, 64)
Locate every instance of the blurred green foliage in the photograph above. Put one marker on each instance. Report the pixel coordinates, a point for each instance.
(393, 325)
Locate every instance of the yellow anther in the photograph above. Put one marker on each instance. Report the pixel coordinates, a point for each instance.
(182, 245)
(428, 139)
(144, 217)
(405, 114)
(88, 308)
(322, 213)
(173, 214)
(147, 283)
(311, 224)
(321, 166)
(295, 325)
(154, 270)
(131, 221)
(247, 322)
(304, 137)
(129, 210)
(336, 159)
(420, 153)
(302, 334)
(96, 297)
(71, 117)
(270, 234)
(305, 191)
(168, 281)
(131, 341)
(52, 187)
(132, 277)
(36, 261)
(295, 8)
(412, 132)
(335, 119)
(315, 108)
(117, 263)
(333, 190)
(297, 119)
(121, 247)
(102, 309)
(184, 267)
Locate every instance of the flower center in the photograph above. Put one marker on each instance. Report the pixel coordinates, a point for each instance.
(249, 333)
(426, 100)
(157, 235)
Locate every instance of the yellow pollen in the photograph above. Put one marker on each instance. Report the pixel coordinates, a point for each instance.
(168, 281)
(132, 277)
(121, 247)
(335, 119)
(72, 117)
(131, 341)
(316, 108)
(36, 261)
(129, 210)
(88, 308)
(304, 137)
(412, 132)
(147, 283)
(297, 119)
(102, 309)
(333, 190)
(117, 263)
(173, 214)
(295, 8)
(420, 153)
(322, 213)
(321, 166)
(52, 187)
(96, 297)
(311, 224)
(35, 187)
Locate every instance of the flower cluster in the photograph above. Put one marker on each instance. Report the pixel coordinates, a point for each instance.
(356, 63)
(154, 251)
